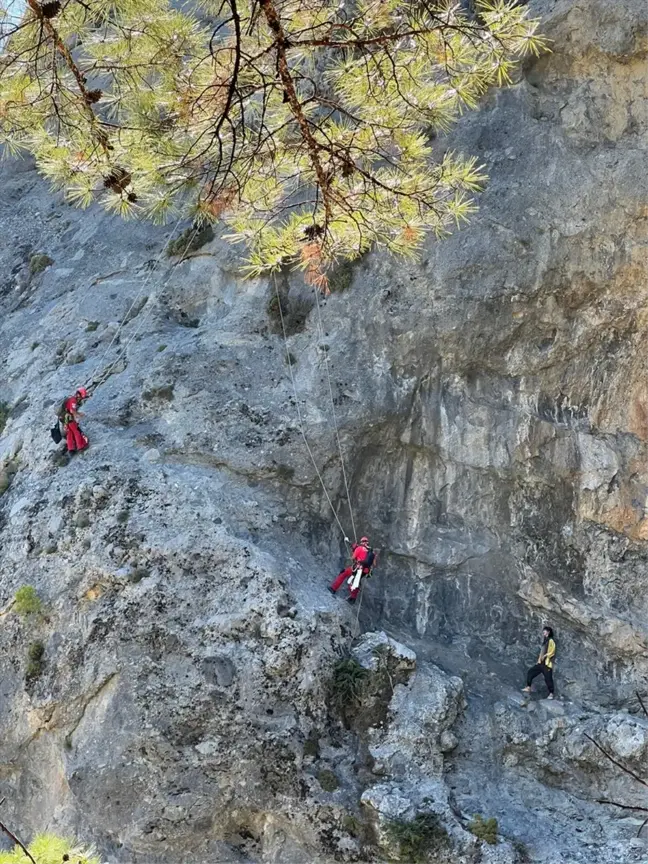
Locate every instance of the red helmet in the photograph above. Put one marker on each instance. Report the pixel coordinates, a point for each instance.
(364, 540)
(82, 392)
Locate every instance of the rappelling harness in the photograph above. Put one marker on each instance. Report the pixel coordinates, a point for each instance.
(362, 569)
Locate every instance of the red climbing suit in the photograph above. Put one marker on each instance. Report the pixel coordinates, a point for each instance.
(359, 555)
(75, 438)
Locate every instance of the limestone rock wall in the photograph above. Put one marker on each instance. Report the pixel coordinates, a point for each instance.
(507, 471)
(492, 409)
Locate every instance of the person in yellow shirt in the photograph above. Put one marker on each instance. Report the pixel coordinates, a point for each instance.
(545, 663)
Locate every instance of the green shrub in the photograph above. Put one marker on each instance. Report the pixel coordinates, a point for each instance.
(161, 348)
(27, 601)
(341, 277)
(34, 345)
(39, 262)
(348, 684)
(352, 825)
(418, 839)
(164, 393)
(46, 848)
(327, 780)
(4, 415)
(123, 516)
(484, 829)
(190, 240)
(35, 661)
(92, 326)
(311, 747)
(522, 852)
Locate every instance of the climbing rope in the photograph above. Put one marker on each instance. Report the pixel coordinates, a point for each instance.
(337, 431)
(299, 413)
(125, 319)
(123, 350)
(356, 627)
(361, 592)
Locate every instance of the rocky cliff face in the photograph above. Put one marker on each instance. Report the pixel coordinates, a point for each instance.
(493, 412)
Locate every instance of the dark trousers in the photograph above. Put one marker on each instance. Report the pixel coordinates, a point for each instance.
(541, 669)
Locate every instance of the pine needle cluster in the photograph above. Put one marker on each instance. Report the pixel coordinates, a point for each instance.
(304, 125)
(50, 849)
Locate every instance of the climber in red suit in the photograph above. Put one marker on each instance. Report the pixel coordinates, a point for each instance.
(362, 556)
(75, 438)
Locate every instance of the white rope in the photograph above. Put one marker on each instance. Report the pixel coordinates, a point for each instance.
(357, 621)
(122, 352)
(337, 431)
(361, 592)
(124, 320)
(299, 414)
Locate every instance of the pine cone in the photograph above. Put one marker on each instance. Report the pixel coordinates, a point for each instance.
(50, 9)
(313, 231)
(117, 180)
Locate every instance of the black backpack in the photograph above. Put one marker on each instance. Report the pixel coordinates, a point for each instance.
(369, 560)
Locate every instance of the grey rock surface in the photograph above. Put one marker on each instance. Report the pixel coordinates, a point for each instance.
(492, 404)
(372, 648)
(420, 712)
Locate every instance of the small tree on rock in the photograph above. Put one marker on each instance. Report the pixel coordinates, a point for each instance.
(48, 849)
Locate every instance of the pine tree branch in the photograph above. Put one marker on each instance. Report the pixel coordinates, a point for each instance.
(327, 42)
(263, 117)
(616, 762)
(627, 807)
(18, 842)
(621, 806)
(282, 43)
(439, 24)
(65, 53)
(641, 702)
(231, 90)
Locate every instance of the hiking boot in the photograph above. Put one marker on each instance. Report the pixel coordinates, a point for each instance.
(351, 599)
(551, 696)
(331, 590)
(527, 690)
